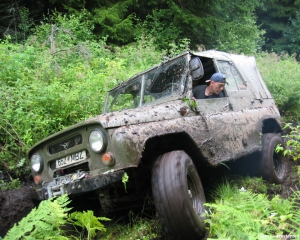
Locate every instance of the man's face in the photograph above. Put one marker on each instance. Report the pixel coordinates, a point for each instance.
(217, 87)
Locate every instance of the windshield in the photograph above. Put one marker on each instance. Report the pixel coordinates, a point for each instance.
(160, 82)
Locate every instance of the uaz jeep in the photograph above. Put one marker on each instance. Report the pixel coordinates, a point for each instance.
(155, 132)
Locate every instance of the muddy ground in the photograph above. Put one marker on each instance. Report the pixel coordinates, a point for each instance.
(16, 204)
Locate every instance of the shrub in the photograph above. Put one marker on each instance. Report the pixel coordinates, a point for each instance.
(292, 142)
(281, 74)
(43, 91)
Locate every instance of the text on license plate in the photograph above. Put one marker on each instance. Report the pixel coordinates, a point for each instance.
(76, 157)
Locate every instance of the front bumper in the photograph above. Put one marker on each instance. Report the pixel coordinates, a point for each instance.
(74, 184)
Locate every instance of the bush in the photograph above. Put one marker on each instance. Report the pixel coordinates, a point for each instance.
(281, 74)
(292, 142)
(44, 91)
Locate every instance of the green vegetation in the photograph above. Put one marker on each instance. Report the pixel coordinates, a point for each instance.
(57, 73)
(48, 221)
(281, 74)
(12, 184)
(242, 208)
(292, 142)
(274, 16)
(209, 24)
(46, 86)
(138, 227)
(125, 179)
(88, 222)
(239, 213)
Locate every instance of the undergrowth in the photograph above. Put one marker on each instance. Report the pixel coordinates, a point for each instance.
(242, 208)
(281, 75)
(292, 142)
(138, 228)
(47, 221)
(48, 87)
(240, 213)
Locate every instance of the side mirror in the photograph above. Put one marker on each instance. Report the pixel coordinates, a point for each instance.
(196, 68)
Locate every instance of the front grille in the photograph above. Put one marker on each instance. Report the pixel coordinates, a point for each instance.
(65, 144)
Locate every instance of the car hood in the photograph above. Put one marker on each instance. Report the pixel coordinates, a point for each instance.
(151, 113)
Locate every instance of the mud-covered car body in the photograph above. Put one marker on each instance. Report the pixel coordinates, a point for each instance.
(153, 113)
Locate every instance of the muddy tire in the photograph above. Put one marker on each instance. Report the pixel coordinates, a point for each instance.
(273, 166)
(178, 196)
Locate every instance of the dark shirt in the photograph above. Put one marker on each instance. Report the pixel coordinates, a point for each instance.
(199, 93)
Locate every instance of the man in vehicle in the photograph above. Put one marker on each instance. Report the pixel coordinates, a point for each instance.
(213, 90)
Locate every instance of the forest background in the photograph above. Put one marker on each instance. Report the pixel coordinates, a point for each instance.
(59, 58)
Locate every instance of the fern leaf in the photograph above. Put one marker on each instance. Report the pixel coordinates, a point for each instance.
(43, 222)
(87, 220)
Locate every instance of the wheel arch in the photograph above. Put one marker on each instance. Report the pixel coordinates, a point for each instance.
(159, 145)
(271, 125)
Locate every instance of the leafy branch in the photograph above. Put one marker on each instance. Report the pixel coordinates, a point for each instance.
(16, 139)
(191, 103)
(293, 142)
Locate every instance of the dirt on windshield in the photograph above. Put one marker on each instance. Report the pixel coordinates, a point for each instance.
(17, 203)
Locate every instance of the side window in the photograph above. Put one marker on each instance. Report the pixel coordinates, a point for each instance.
(234, 79)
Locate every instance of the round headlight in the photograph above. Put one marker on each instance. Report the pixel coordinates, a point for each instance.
(98, 141)
(37, 163)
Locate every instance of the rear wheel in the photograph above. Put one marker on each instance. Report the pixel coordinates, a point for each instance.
(178, 195)
(273, 166)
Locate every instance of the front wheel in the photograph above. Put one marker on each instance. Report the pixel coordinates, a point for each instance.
(273, 166)
(178, 195)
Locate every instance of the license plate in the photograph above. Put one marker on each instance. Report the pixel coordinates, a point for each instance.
(76, 157)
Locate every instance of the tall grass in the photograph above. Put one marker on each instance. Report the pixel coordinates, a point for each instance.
(281, 74)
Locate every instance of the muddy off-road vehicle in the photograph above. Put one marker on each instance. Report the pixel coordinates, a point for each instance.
(155, 140)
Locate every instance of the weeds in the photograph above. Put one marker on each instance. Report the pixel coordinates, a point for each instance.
(241, 213)
(276, 70)
(13, 184)
(293, 143)
(88, 222)
(138, 228)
